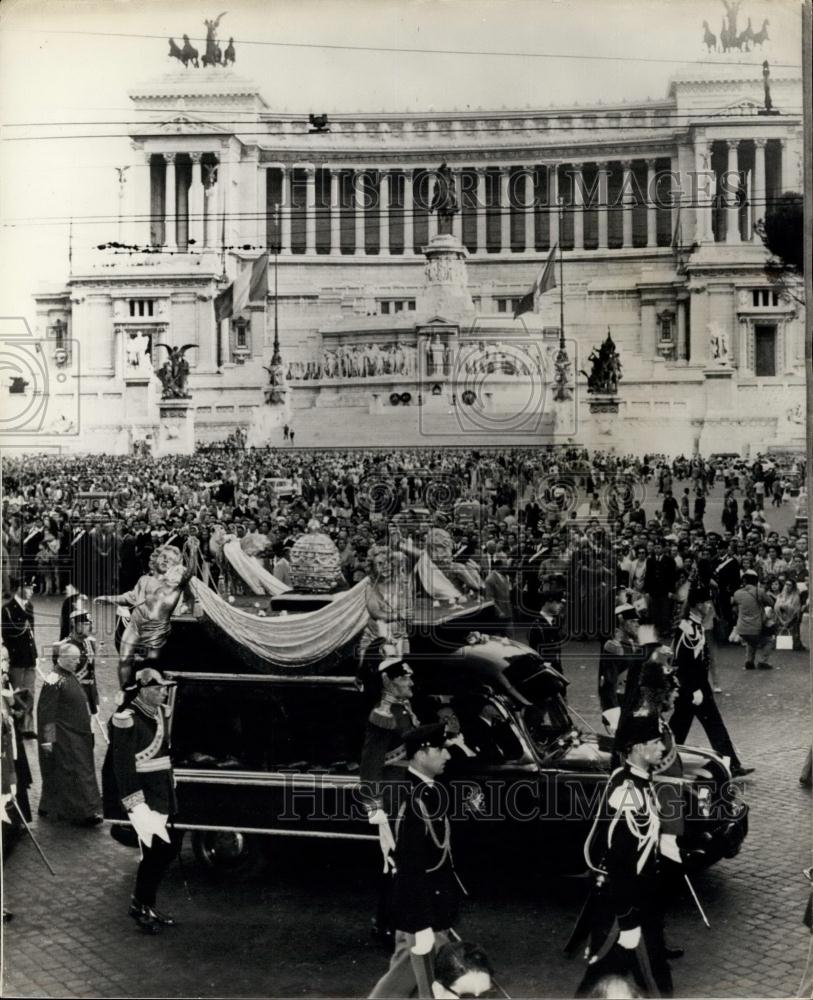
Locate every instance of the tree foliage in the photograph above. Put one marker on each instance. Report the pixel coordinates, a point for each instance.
(782, 232)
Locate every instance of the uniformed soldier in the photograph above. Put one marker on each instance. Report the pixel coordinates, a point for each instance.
(384, 746)
(137, 775)
(80, 634)
(696, 698)
(619, 655)
(426, 890)
(631, 941)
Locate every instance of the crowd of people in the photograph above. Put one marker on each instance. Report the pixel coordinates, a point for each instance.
(569, 544)
(584, 522)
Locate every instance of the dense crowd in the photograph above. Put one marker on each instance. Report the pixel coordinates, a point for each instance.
(581, 521)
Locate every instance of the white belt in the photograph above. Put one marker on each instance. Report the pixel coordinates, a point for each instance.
(155, 764)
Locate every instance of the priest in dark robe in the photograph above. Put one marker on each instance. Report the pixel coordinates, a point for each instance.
(69, 787)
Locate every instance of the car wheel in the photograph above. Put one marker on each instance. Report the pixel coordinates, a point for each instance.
(228, 852)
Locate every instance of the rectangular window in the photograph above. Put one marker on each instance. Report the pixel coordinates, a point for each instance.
(764, 351)
(241, 336)
(502, 305)
(385, 308)
(755, 297)
(411, 305)
(132, 307)
(399, 306)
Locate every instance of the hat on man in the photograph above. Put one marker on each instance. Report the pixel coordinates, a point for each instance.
(394, 667)
(635, 729)
(424, 737)
(81, 608)
(625, 610)
(149, 677)
(750, 576)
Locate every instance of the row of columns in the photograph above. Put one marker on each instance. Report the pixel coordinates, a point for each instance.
(707, 187)
(577, 208)
(201, 209)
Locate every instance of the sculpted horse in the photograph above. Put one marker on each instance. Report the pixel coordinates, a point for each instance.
(188, 54)
(709, 38)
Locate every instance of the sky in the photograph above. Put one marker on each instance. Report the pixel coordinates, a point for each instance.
(74, 62)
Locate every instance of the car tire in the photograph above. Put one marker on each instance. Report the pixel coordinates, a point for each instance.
(229, 853)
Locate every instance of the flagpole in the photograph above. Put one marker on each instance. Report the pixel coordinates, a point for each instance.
(561, 277)
(276, 358)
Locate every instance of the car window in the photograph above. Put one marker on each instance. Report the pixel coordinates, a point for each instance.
(250, 725)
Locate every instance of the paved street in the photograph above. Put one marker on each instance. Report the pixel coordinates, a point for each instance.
(301, 927)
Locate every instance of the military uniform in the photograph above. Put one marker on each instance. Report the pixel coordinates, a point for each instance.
(18, 638)
(692, 668)
(617, 657)
(86, 674)
(137, 771)
(632, 897)
(426, 889)
(383, 747)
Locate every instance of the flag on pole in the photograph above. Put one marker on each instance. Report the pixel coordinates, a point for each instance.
(545, 280)
(251, 285)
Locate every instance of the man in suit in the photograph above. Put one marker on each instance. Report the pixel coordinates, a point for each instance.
(546, 635)
(659, 585)
(498, 591)
(727, 576)
(17, 620)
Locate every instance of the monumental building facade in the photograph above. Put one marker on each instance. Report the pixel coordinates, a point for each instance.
(653, 205)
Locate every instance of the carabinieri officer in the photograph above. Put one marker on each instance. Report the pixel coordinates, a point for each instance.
(635, 943)
(137, 775)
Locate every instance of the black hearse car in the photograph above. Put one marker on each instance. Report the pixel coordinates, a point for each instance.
(260, 752)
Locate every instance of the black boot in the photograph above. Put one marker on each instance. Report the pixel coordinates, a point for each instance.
(164, 919)
(144, 917)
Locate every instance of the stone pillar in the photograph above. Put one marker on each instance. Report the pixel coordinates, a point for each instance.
(310, 208)
(505, 211)
(704, 191)
(286, 209)
(553, 203)
(480, 211)
(651, 205)
(142, 214)
(359, 216)
(680, 347)
(210, 193)
(457, 218)
(759, 191)
(432, 218)
(578, 205)
(603, 207)
(170, 215)
(790, 180)
(675, 192)
(384, 200)
(335, 214)
(409, 213)
(529, 208)
(627, 203)
(196, 203)
(732, 214)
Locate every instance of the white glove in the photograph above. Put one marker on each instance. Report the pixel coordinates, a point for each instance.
(610, 717)
(376, 817)
(386, 842)
(148, 823)
(697, 698)
(141, 818)
(630, 939)
(424, 941)
(5, 806)
(669, 848)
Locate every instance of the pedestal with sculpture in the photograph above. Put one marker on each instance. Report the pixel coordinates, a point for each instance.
(274, 412)
(604, 376)
(176, 414)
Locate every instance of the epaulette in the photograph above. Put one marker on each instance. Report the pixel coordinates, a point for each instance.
(53, 678)
(382, 718)
(613, 646)
(123, 719)
(687, 627)
(627, 797)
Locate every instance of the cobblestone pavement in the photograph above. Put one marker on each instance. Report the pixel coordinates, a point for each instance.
(300, 928)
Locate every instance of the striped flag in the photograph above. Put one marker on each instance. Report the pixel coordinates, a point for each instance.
(251, 285)
(545, 280)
